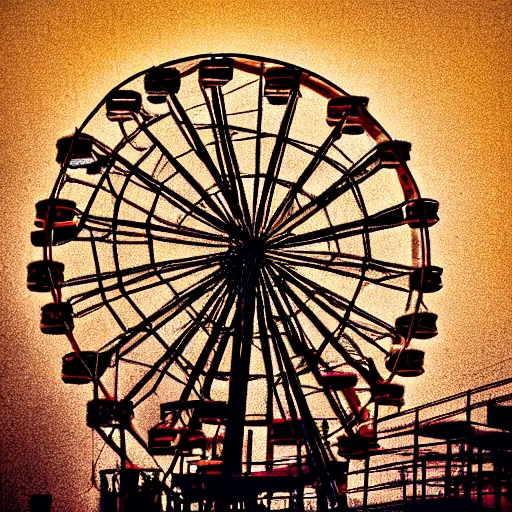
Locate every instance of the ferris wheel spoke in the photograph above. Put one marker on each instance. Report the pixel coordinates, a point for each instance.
(219, 321)
(175, 350)
(185, 174)
(315, 290)
(342, 266)
(267, 324)
(257, 156)
(350, 354)
(199, 147)
(226, 152)
(319, 457)
(148, 269)
(267, 358)
(317, 159)
(293, 330)
(75, 299)
(386, 219)
(153, 330)
(101, 288)
(350, 180)
(192, 313)
(121, 287)
(109, 224)
(165, 314)
(173, 197)
(146, 365)
(108, 439)
(213, 369)
(274, 165)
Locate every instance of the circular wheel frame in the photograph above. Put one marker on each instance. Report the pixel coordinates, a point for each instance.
(230, 245)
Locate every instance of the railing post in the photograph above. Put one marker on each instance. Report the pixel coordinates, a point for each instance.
(366, 480)
(416, 455)
(497, 482)
(469, 450)
(423, 480)
(249, 451)
(448, 470)
(404, 489)
(479, 478)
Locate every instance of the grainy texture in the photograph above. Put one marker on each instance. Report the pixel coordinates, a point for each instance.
(438, 74)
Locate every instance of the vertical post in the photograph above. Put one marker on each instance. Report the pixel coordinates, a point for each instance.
(249, 451)
(404, 489)
(366, 480)
(123, 448)
(497, 482)
(448, 472)
(469, 451)
(479, 478)
(416, 454)
(423, 480)
(469, 472)
(240, 366)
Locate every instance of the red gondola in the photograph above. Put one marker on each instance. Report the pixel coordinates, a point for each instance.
(76, 150)
(422, 213)
(105, 412)
(166, 440)
(160, 82)
(57, 318)
(122, 105)
(215, 72)
(388, 394)
(350, 105)
(428, 279)
(279, 83)
(43, 275)
(392, 153)
(340, 380)
(286, 431)
(64, 219)
(422, 325)
(356, 447)
(82, 369)
(406, 363)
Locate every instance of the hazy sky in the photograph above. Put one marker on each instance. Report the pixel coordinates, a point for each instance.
(438, 74)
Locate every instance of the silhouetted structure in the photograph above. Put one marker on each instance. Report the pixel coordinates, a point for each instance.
(253, 246)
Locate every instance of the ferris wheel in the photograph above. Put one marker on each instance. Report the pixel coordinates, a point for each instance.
(238, 255)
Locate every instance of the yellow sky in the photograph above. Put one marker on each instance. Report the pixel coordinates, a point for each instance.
(437, 73)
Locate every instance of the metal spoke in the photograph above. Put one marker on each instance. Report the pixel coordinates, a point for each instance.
(314, 291)
(386, 219)
(184, 173)
(175, 350)
(350, 179)
(219, 322)
(198, 146)
(274, 165)
(315, 446)
(284, 207)
(339, 264)
(350, 354)
(106, 225)
(226, 153)
(293, 333)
